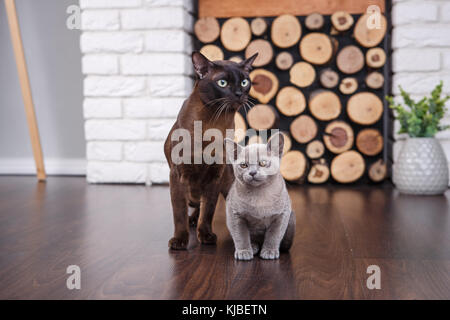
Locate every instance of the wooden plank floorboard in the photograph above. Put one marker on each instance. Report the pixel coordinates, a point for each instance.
(118, 236)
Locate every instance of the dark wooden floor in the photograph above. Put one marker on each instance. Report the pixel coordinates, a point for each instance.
(118, 236)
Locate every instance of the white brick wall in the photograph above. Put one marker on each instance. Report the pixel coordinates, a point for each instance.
(136, 62)
(421, 57)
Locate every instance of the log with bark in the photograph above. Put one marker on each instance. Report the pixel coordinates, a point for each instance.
(303, 129)
(350, 59)
(262, 117)
(314, 21)
(338, 136)
(370, 29)
(258, 26)
(329, 78)
(212, 52)
(264, 50)
(319, 172)
(325, 105)
(316, 48)
(240, 127)
(347, 167)
(302, 74)
(293, 166)
(264, 85)
(378, 171)
(341, 20)
(290, 101)
(348, 85)
(235, 34)
(369, 142)
(315, 149)
(207, 29)
(286, 31)
(284, 60)
(364, 108)
(375, 57)
(375, 80)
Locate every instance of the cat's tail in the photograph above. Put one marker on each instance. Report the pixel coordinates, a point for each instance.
(288, 238)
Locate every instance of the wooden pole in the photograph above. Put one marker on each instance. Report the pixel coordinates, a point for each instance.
(25, 86)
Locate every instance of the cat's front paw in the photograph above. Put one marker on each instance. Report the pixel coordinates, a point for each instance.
(269, 254)
(243, 254)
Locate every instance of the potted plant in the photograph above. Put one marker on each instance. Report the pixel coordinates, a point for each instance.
(422, 166)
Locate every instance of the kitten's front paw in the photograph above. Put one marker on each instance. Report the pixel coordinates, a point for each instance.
(243, 254)
(270, 254)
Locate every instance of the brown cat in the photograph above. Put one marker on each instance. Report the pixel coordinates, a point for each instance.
(222, 88)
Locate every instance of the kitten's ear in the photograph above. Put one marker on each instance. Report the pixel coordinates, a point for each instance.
(233, 149)
(247, 63)
(275, 144)
(201, 64)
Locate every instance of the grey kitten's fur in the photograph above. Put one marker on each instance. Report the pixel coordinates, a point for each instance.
(258, 206)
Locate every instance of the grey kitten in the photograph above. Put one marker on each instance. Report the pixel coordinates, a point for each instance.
(258, 207)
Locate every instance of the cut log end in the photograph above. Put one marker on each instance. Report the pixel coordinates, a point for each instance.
(264, 50)
(375, 80)
(302, 74)
(347, 167)
(258, 26)
(341, 20)
(293, 166)
(316, 48)
(290, 101)
(350, 59)
(212, 52)
(325, 105)
(240, 127)
(235, 34)
(338, 137)
(286, 31)
(262, 117)
(329, 78)
(364, 108)
(287, 142)
(264, 85)
(348, 85)
(370, 33)
(375, 57)
(303, 129)
(369, 142)
(319, 172)
(315, 149)
(284, 60)
(207, 29)
(314, 21)
(378, 171)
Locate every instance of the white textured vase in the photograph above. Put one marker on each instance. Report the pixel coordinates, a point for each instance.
(421, 167)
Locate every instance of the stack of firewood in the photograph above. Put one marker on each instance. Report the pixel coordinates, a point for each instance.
(320, 80)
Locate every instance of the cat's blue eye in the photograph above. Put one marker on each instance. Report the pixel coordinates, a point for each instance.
(263, 163)
(243, 165)
(222, 83)
(245, 82)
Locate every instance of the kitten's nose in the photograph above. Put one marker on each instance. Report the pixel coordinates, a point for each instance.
(252, 173)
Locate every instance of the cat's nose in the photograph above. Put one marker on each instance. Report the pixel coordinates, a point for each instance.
(252, 173)
(238, 93)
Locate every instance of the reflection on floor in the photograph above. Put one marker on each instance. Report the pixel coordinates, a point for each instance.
(118, 236)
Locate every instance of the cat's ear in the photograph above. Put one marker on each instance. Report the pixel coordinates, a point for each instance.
(232, 149)
(247, 63)
(201, 64)
(275, 145)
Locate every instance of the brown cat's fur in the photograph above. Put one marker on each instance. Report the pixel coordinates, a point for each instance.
(199, 185)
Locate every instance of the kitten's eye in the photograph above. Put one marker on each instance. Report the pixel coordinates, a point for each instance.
(245, 82)
(222, 83)
(263, 163)
(243, 165)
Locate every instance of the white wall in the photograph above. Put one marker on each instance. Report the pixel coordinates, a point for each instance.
(136, 58)
(421, 58)
(54, 61)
